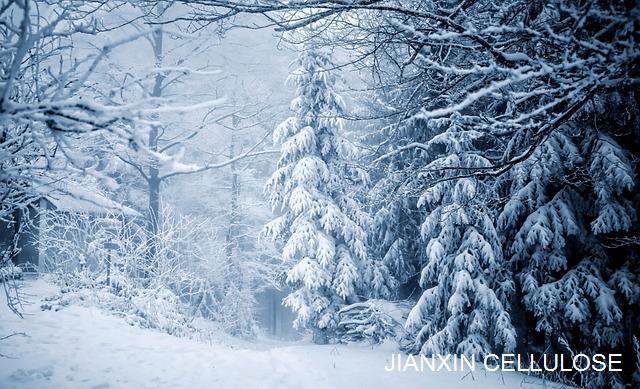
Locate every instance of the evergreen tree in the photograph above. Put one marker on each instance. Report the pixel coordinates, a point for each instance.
(565, 225)
(320, 224)
(394, 234)
(464, 306)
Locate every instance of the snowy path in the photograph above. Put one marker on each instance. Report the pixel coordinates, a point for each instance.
(80, 347)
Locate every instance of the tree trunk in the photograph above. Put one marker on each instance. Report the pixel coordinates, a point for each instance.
(154, 180)
(234, 217)
(234, 280)
(234, 273)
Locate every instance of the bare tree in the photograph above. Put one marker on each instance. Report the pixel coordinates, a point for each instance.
(45, 101)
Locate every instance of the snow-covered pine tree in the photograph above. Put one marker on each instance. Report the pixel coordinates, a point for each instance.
(464, 306)
(394, 234)
(390, 240)
(320, 223)
(568, 227)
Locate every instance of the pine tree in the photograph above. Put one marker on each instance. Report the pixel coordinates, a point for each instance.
(570, 208)
(394, 233)
(392, 240)
(464, 306)
(542, 221)
(320, 224)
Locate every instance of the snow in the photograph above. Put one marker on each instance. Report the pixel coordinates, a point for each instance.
(67, 195)
(83, 347)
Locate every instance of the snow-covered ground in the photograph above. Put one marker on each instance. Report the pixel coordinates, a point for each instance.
(83, 347)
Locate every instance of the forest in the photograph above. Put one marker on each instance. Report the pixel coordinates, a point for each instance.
(424, 177)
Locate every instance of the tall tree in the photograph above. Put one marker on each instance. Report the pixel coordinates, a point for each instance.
(465, 303)
(568, 226)
(320, 222)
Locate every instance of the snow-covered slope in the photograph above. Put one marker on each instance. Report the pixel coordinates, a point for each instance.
(82, 347)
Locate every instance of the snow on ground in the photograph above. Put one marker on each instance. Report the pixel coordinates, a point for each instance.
(83, 347)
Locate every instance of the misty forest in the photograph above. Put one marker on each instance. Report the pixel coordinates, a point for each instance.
(285, 193)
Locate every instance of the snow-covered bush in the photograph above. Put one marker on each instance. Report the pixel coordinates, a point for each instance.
(102, 259)
(370, 321)
(9, 277)
(160, 308)
(10, 272)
